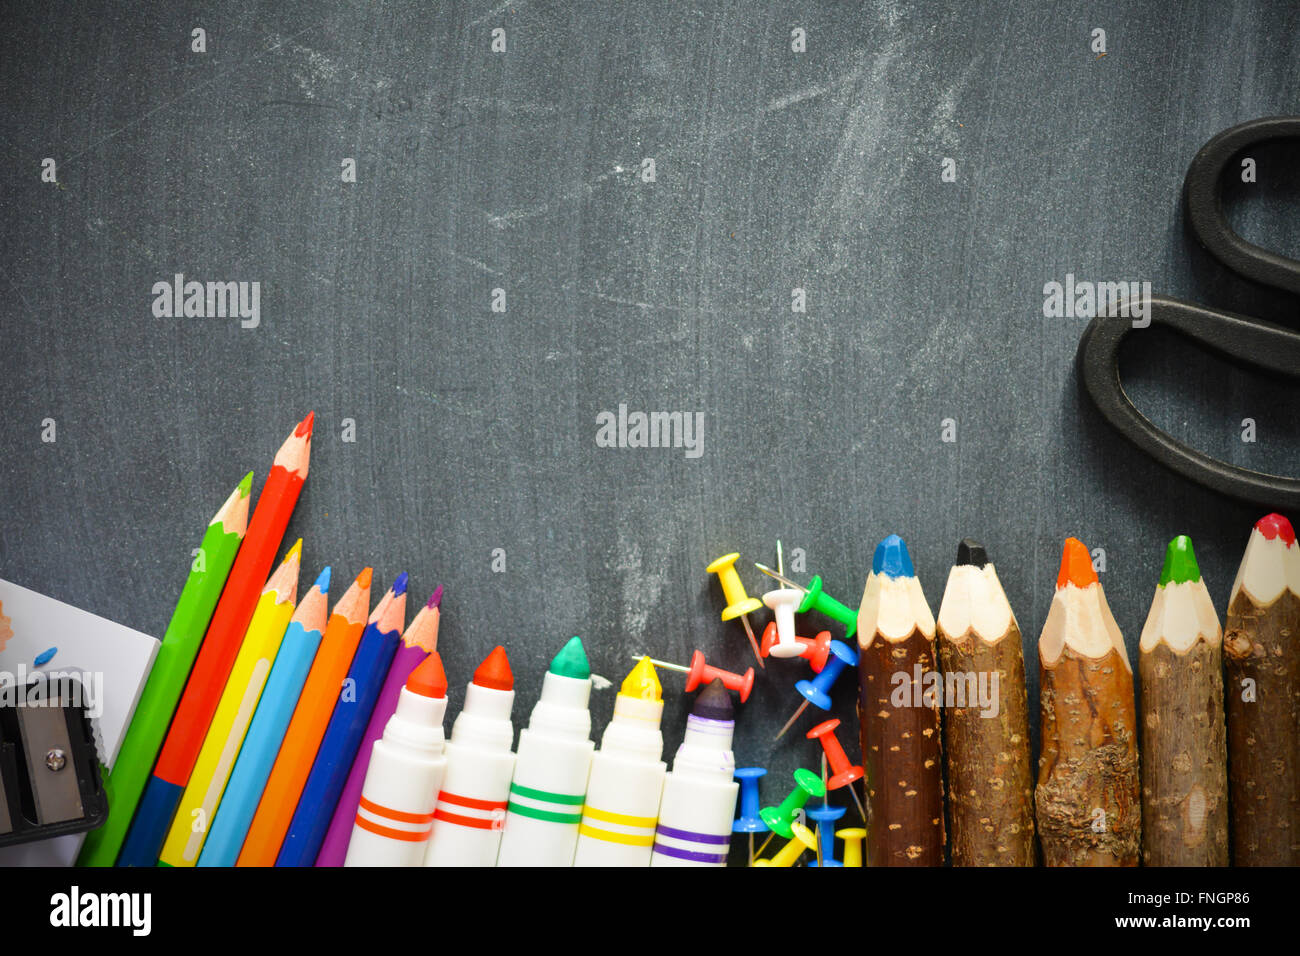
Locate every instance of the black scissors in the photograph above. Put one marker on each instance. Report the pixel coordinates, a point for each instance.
(1238, 338)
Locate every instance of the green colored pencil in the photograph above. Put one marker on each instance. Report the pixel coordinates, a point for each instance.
(171, 669)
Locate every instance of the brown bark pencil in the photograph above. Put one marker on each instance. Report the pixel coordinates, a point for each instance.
(986, 718)
(1087, 801)
(898, 710)
(1261, 651)
(1184, 751)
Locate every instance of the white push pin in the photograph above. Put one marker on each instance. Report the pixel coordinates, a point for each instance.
(783, 602)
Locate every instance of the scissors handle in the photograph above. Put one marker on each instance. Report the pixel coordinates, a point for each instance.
(1203, 201)
(1238, 338)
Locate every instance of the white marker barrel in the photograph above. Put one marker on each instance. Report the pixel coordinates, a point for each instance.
(699, 799)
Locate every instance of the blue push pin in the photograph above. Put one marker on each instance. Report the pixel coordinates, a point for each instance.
(749, 821)
(817, 690)
(825, 815)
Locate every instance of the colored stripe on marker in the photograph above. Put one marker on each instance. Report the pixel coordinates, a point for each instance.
(691, 855)
(609, 836)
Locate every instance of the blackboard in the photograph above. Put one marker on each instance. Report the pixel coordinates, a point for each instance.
(525, 170)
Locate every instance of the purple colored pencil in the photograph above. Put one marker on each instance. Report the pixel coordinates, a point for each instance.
(417, 641)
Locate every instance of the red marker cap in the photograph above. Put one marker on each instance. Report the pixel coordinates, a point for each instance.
(428, 679)
(495, 671)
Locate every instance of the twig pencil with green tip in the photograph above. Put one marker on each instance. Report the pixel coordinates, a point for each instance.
(180, 645)
(1184, 749)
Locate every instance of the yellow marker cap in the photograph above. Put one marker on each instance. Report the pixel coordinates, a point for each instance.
(642, 683)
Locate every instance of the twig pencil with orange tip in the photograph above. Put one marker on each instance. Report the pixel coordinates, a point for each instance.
(216, 657)
(1088, 804)
(307, 727)
(986, 728)
(899, 722)
(1184, 754)
(1261, 650)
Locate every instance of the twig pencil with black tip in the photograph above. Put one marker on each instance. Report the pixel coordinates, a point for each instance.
(1261, 650)
(986, 728)
(1184, 753)
(900, 723)
(1087, 800)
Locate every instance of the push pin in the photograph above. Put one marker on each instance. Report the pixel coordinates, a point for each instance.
(739, 604)
(816, 599)
(801, 838)
(816, 650)
(817, 690)
(749, 821)
(783, 601)
(780, 818)
(852, 838)
(842, 773)
(701, 672)
(824, 816)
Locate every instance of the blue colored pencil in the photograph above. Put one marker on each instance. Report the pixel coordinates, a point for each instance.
(262, 742)
(347, 725)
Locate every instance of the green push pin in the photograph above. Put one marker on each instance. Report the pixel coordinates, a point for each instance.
(806, 784)
(816, 599)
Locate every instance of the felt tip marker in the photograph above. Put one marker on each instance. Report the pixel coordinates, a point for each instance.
(472, 805)
(395, 812)
(627, 778)
(552, 767)
(700, 793)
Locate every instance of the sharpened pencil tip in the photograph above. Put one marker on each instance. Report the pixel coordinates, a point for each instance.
(399, 586)
(294, 552)
(364, 578)
(435, 599)
(891, 558)
(1076, 565)
(323, 581)
(246, 486)
(970, 551)
(305, 426)
(1274, 526)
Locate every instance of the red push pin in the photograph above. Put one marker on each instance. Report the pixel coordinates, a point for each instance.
(842, 772)
(816, 650)
(701, 672)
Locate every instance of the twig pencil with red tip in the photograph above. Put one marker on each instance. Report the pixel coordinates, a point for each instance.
(1184, 749)
(1261, 650)
(900, 724)
(739, 604)
(985, 739)
(395, 812)
(1087, 799)
(472, 804)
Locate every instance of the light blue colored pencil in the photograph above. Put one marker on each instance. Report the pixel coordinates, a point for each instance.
(265, 733)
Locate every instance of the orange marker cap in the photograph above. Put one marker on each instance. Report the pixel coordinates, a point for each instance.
(495, 671)
(1076, 565)
(428, 679)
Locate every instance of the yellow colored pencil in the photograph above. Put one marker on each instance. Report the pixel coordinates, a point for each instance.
(235, 711)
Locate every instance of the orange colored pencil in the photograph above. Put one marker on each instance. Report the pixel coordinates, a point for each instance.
(310, 718)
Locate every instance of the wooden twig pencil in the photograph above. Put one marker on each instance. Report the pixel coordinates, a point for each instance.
(898, 709)
(1184, 754)
(1087, 800)
(1261, 651)
(986, 718)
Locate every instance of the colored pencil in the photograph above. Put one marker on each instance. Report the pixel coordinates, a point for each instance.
(265, 733)
(985, 726)
(180, 645)
(419, 639)
(298, 751)
(207, 680)
(1087, 799)
(899, 718)
(1184, 748)
(1261, 650)
(235, 711)
(320, 794)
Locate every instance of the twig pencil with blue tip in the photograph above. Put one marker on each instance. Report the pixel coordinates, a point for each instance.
(699, 799)
(627, 778)
(180, 645)
(266, 732)
(551, 768)
(1087, 799)
(418, 641)
(221, 643)
(900, 722)
(238, 703)
(1184, 744)
(320, 795)
(395, 812)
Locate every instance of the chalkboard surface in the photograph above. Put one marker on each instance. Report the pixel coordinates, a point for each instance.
(625, 206)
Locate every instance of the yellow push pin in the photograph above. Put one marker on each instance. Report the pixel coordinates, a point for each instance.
(739, 604)
(852, 838)
(789, 854)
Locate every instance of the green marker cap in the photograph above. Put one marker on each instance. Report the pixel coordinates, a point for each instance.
(1180, 562)
(572, 661)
